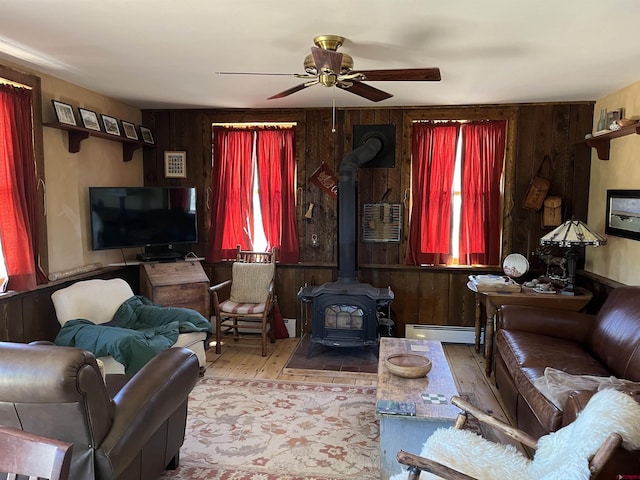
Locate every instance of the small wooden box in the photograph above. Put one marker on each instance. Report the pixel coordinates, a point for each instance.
(176, 284)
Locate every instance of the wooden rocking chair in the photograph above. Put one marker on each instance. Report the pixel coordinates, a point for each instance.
(463, 458)
(251, 298)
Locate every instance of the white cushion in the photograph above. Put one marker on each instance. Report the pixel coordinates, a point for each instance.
(251, 282)
(94, 300)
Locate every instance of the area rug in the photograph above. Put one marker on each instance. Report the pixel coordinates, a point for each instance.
(268, 430)
(341, 361)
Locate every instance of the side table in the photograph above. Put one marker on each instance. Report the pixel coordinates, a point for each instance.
(492, 301)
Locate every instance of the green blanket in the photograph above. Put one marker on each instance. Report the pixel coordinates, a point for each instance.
(139, 330)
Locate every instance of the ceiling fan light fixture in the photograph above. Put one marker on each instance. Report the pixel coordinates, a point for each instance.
(347, 64)
(310, 65)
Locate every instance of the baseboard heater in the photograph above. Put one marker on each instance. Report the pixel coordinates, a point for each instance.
(441, 333)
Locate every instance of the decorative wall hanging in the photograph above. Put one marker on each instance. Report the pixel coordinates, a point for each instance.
(538, 187)
(325, 179)
(175, 164)
(623, 213)
(552, 213)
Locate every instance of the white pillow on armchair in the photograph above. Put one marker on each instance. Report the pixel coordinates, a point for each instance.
(98, 300)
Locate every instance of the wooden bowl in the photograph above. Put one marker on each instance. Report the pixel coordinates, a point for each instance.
(408, 365)
(625, 122)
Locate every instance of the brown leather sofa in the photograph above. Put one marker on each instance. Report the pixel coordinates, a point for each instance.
(120, 427)
(530, 339)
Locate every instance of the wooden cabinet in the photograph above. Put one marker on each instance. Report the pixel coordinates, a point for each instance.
(176, 284)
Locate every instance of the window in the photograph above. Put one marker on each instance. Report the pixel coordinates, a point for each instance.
(253, 191)
(20, 151)
(456, 185)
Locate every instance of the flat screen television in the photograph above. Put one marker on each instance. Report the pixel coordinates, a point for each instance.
(124, 217)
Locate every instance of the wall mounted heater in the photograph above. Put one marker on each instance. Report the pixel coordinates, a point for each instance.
(382, 222)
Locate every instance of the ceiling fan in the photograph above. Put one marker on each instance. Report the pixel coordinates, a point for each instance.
(326, 66)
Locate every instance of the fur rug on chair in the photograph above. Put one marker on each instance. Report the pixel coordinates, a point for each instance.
(562, 455)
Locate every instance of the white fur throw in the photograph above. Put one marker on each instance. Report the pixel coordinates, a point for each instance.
(563, 455)
(557, 385)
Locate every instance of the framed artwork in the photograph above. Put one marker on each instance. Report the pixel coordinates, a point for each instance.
(175, 164)
(623, 213)
(110, 125)
(129, 130)
(613, 116)
(89, 119)
(147, 137)
(64, 112)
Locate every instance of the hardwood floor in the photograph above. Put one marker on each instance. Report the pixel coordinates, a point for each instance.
(242, 359)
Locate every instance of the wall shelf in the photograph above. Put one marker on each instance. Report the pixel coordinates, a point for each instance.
(602, 142)
(78, 134)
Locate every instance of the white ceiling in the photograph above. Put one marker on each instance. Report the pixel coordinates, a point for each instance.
(165, 53)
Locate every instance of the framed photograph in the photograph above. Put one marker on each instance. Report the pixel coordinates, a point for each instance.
(623, 213)
(89, 119)
(147, 137)
(129, 130)
(175, 164)
(64, 112)
(110, 125)
(613, 116)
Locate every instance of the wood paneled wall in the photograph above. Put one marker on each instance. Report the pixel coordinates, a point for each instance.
(30, 316)
(425, 295)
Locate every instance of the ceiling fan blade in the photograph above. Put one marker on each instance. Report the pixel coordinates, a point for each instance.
(289, 91)
(402, 75)
(295, 75)
(327, 60)
(364, 90)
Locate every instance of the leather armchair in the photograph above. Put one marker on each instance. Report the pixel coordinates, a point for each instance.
(121, 427)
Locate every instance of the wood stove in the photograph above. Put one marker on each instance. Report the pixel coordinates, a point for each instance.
(345, 312)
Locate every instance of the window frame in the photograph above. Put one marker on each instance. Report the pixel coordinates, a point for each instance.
(34, 82)
(510, 114)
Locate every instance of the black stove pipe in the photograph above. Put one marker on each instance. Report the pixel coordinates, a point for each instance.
(347, 201)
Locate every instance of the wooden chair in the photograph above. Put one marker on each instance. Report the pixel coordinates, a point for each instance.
(251, 298)
(464, 456)
(22, 453)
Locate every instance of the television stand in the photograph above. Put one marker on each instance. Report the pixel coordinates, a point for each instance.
(160, 257)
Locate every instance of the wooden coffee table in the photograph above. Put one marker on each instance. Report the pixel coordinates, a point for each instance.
(410, 432)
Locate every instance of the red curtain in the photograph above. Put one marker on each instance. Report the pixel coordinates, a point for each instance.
(19, 214)
(432, 167)
(276, 175)
(232, 190)
(480, 219)
(232, 196)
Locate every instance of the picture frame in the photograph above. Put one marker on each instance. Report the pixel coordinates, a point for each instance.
(89, 119)
(175, 164)
(110, 125)
(146, 135)
(129, 130)
(612, 117)
(623, 214)
(64, 112)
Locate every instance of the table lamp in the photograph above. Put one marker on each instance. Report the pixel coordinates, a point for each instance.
(572, 234)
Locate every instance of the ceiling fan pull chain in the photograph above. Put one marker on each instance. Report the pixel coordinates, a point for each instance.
(333, 112)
